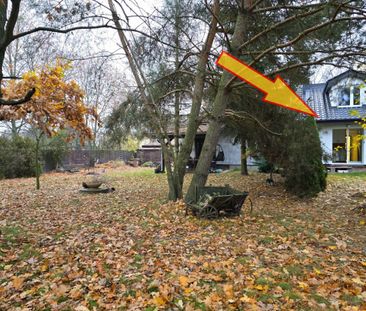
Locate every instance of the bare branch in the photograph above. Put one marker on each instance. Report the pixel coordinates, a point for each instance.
(239, 114)
(15, 102)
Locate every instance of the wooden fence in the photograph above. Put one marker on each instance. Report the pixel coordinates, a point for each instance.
(89, 157)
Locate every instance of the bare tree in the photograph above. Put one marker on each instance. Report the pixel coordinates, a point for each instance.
(176, 162)
(56, 17)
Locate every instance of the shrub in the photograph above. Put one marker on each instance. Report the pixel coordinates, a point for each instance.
(55, 150)
(264, 166)
(17, 157)
(304, 171)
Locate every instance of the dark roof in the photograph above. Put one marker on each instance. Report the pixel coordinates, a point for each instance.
(349, 73)
(314, 96)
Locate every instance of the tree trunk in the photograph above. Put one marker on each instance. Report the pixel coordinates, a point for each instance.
(3, 19)
(38, 168)
(148, 100)
(212, 136)
(193, 120)
(175, 178)
(243, 155)
(14, 129)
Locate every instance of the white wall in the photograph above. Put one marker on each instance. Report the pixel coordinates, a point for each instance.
(326, 138)
(232, 152)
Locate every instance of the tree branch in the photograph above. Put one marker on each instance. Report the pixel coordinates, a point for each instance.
(238, 114)
(14, 102)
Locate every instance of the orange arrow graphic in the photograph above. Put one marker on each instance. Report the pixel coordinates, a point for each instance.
(277, 91)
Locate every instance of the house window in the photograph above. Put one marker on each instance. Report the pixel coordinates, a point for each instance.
(339, 146)
(349, 96)
(348, 93)
(347, 145)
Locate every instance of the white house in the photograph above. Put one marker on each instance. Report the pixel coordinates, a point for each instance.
(227, 155)
(339, 129)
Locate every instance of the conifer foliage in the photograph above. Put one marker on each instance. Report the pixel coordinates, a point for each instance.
(304, 170)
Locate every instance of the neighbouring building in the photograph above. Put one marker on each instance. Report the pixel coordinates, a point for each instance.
(340, 131)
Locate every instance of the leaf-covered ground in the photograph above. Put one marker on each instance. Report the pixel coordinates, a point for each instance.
(128, 250)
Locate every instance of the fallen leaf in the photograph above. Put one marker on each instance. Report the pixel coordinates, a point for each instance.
(18, 282)
(183, 280)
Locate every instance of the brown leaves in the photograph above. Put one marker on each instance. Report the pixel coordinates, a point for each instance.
(61, 249)
(18, 282)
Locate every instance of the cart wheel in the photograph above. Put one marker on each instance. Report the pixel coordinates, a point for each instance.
(210, 212)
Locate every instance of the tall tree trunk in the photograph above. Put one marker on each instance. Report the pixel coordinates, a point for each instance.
(175, 178)
(14, 129)
(149, 103)
(177, 25)
(243, 157)
(3, 11)
(193, 119)
(215, 125)
(38, 167)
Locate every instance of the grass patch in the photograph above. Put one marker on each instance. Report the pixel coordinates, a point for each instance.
(92, 304)
(265, 297)
(266, 240)
(242, 260)
(320, 299)
(139, 172)
(29, 252)
(352, 300)
(62, 299)
(337, 176)
(262, 281)
(293, 295)
(11, 233)
(294, 270)
(285, 285)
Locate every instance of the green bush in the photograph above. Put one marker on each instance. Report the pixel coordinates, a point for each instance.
(17, 157)
(54, 150)
(297, 151)
(264, 166)
(305, 174)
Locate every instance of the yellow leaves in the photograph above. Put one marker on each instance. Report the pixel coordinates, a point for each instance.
(30, 75)
(56, 103)
(332, 247)
(45, 266)
(212, 299)
(228, 290)
(183, 281)
(358, 281)
(362, 222)
(17, 282)
(214, 277)
(168, 277)
(261, 287)
(159, 301)
(304, 286)
(317, 271)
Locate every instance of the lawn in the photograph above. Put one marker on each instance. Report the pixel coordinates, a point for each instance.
(131, 250)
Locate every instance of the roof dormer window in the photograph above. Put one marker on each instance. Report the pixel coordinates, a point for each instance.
(347, 93)
(349, 96)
